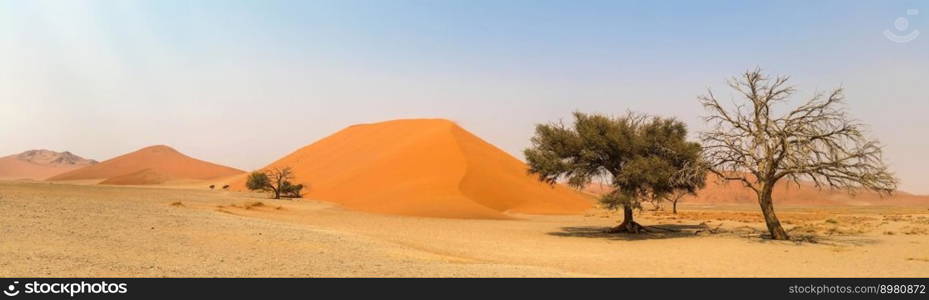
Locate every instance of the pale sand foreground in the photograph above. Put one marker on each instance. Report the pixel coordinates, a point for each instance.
(72, 230)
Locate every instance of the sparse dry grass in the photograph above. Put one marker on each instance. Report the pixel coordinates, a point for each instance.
(915, 230)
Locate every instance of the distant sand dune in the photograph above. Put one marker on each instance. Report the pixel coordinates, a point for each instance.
(150, 165)
(40, 164)
(800, 194)
(785, 193)
(423, 167)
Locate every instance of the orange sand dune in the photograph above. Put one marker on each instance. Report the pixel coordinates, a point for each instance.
(785, 193)
(150, 165)
(423, 167)
(146, 176)
(40, 164)
(804, 193)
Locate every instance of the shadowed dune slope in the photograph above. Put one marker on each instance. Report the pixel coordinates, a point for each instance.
(40, 164)
(423, 167)
(150, 165)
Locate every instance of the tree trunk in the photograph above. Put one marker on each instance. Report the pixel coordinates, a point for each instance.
(674, 207)
(770, 219)
(628, 224)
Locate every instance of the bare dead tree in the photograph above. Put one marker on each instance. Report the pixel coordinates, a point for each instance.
(816, 141)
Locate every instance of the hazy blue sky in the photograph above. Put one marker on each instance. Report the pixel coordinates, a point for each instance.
(244, 83)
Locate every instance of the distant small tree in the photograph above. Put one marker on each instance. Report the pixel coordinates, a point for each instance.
(688, 180)
(276, 181)
(212, 186)
(640, 154)
(758, 145)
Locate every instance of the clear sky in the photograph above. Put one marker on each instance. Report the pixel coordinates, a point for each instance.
(243, 83)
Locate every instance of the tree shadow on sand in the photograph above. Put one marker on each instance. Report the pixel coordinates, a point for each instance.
(663, 231)
(668, 231)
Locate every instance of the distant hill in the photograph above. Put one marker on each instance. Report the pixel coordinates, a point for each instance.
(150, 165)
(40, 164)
(785, 193)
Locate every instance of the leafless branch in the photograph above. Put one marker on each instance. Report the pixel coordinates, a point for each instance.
(816, 142)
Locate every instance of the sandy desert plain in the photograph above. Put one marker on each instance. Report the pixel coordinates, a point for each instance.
(424, 198)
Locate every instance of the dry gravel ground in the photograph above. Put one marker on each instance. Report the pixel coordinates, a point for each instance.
(97, 231)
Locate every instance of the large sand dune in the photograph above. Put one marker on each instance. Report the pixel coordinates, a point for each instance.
(150, 165)
(423, 167)
(40, 164)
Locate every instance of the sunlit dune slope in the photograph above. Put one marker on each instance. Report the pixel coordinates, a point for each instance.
(150, 165)
(423, 167)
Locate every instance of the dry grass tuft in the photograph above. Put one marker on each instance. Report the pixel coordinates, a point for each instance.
(896, 218)
(833, 228)
(915, 230)
(921, 220)
(255, 204)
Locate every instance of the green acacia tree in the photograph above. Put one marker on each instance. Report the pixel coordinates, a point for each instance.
(640, 155)
(276, 181)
